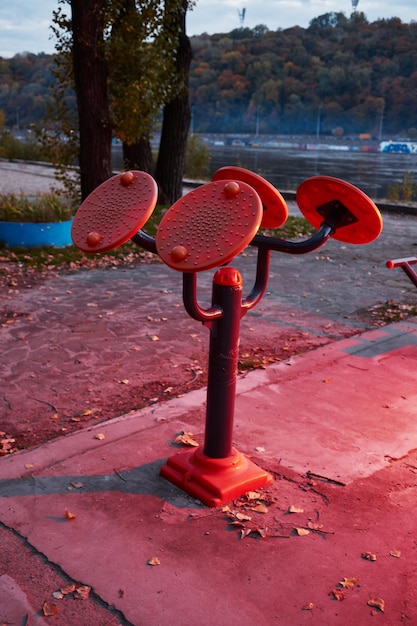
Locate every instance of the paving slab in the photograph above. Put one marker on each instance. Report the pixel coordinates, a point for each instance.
(337, 429)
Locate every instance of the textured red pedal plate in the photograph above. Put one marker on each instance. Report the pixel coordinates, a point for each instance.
(114, 212)
(275, 210)
(209, 226)
(315, 195)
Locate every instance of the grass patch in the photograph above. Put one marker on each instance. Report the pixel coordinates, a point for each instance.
(294, 228)
(392, 311)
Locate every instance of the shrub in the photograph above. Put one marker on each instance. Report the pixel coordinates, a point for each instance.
(48, 207)
(197, 159)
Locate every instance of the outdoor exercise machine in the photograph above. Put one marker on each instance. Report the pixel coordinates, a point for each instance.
(405, 265)
(205, 230)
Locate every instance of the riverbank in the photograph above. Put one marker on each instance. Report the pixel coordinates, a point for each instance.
(33, 178)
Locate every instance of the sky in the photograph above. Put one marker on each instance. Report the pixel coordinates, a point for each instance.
(25, 24)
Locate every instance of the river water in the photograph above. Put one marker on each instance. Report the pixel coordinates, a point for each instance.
(373, 172)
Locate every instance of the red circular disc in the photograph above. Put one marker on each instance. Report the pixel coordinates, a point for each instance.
(316, 195)
(209, 226)
(275, 210)
(114, 212)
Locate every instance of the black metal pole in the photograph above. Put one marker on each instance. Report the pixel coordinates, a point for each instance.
(223, 361)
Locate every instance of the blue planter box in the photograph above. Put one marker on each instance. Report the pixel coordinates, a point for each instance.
(28, 235)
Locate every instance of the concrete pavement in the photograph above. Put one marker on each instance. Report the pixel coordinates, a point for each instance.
(337, 429)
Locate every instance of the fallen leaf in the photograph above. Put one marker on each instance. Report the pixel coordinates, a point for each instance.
(82, 592)
(262, 532)
(58, 595)
(377, 603)
(100, 436)
(337, 594)
(154, 337)
(395, 553)
(259, 508)
(349, 583)
(77, 485)
(308, 607)
(241, 517)
(186, 439)
(69, 515)
(49, 609)
(28, 465)
(369, 556)
(54, 416)
(125, 381)
(253, 495)
(154, 561)
(295, 509)
(302, 532)
(67, 589)
(86, 412)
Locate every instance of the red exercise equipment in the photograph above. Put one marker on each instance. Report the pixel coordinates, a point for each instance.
(275, 210)
(405, 265)
(206, 229)
(114, 212)
(209, 226)
(360, 222)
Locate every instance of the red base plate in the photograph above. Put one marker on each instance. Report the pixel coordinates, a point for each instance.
(214, 481)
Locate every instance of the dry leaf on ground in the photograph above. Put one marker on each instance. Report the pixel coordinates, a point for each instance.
(49, 609)
(349, 583)
(69, 515)
(337, 594)
(82, 592)
(377, 603)
(186, 439)
(295, 509)
(260, 507)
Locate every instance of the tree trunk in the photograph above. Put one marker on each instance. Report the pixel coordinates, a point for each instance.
(138, 156)
(176, 118)
(90, 77)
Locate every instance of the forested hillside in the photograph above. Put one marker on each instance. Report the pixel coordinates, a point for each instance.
(345, 72)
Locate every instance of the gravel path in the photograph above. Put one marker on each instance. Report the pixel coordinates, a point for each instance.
(28, 178)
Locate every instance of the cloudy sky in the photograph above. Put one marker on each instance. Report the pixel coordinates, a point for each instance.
(24, 24)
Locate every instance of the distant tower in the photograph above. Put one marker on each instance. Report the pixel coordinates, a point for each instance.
(354, 4)
(242, 14)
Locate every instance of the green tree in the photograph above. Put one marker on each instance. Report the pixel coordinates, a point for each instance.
(128, 59)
